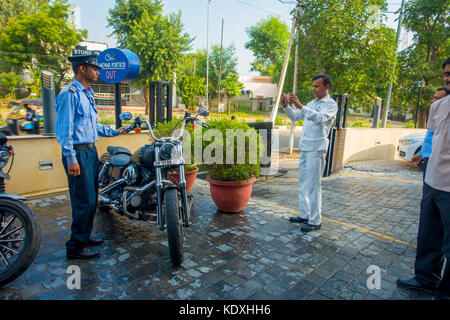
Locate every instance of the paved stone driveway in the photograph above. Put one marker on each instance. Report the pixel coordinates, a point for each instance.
(370, 218)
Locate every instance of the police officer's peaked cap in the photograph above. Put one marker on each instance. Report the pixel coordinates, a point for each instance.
(84, 59)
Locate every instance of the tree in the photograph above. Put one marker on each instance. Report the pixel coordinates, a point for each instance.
(268, 41)
(9, 81)
(126, 13)
(336, 38)
(41, 40)
(229, 64)
(157, 40)
(232, 87)
(190, 87)
(422, 61)
(13, 8)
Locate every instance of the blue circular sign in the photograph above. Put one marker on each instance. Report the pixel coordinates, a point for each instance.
(118, 65)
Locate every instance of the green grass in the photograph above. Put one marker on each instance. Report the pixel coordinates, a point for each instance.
(108, 119)
(410, 125)
(360, 124)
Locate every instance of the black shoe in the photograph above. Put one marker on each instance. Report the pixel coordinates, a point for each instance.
(95, 243)
(83, 255)
(310, 227)
(413, 284)
(298, 220)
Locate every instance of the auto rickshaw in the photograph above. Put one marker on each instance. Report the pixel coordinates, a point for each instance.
(27, 116)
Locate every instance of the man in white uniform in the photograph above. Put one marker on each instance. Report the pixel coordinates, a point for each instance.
(318, 116)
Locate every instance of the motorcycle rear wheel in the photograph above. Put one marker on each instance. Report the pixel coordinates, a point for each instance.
(174, 227)
(20, 239)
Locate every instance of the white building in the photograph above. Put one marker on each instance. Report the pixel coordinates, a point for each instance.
(93, 46)
(260, 91)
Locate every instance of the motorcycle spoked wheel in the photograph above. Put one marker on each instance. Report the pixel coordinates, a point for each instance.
(20, 239)
(174, 227)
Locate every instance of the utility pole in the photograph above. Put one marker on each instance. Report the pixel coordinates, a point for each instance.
(389, 91)
(294, 88)
(220, 69)
(285, 64)
(207, 54)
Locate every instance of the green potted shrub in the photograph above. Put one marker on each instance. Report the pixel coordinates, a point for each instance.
(234, 165)
(190, 169)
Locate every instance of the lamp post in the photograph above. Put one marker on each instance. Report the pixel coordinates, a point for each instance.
(207, 54)
(420, 85)
(389, 91)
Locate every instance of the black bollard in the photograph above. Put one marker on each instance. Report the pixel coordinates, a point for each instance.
(48, 102)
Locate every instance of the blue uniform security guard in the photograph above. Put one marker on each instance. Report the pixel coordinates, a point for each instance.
(77, 130)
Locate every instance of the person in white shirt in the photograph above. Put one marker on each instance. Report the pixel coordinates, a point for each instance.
(431, 271)
(318, 116)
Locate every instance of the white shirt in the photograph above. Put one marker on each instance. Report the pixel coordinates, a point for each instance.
(318, 116)
(438, 168)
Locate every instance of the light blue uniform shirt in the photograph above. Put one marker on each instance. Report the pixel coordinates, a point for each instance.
(318, 116)
(76, 120)
(425, 152)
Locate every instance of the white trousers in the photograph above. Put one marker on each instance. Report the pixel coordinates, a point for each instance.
(311, 167)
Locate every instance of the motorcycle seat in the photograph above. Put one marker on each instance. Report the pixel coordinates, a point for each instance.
(118, 150)
(120, 160)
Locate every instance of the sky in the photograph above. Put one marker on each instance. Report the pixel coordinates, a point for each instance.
(238, 15)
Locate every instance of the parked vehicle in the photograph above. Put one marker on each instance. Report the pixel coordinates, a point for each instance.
(409, 145)
(20, 232)
(26, 116)
(136, 185)
(12, 104)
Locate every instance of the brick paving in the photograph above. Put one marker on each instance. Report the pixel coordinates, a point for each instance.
(257, 254)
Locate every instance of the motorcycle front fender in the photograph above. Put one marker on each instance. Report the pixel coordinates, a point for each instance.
(12, 196)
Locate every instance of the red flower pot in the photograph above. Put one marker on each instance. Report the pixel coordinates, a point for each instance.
(231, 196)
(189, 176)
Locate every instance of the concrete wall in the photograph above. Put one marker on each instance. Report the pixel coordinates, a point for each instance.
(27, 178)
(358, 144)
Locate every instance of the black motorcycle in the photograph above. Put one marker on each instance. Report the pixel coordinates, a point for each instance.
(20, 232)
(136, 185)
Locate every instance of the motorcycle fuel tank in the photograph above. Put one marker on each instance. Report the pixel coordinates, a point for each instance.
(145, 156)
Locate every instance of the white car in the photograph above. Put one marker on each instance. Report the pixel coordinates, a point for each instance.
(410, 145)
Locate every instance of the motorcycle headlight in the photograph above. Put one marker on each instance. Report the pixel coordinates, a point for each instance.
(167, 151)
(4, 157)
(130, 175)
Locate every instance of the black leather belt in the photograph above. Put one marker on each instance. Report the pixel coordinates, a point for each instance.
(83, 146)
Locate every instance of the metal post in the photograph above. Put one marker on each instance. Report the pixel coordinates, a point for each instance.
(346, 101)
(207, 54)
(376, 112)
(298, 13)
(159, 103)
(118, 105)
(220, 70)
(417, 109)
(330, 153)
(389, 91)
(294, 90)
(48, 102)
(152, 102)
(169, 102)
(174, 92)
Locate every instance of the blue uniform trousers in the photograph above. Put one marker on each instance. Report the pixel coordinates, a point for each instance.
(83, 197)
(433, 240)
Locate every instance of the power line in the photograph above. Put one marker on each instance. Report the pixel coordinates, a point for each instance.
(261, 9)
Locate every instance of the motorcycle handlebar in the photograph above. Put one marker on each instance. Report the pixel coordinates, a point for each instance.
(130, 128)
(139, 121)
